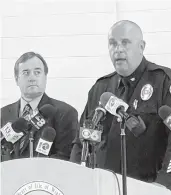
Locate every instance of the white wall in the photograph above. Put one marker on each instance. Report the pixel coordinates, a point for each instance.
(153, 17)
(72, 37)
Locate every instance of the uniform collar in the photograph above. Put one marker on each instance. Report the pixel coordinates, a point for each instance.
(135, 76)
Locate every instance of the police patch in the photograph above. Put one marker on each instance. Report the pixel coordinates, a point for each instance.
(146, 92)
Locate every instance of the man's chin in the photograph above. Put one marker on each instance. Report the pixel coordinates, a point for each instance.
(33, 95)
(121, 70)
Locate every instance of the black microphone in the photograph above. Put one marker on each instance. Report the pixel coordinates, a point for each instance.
(165, 114)
(45, 142)
(39, 119)
(6, 151)
(114, 105)
(100, 112)
(12, 132)
(118, 107)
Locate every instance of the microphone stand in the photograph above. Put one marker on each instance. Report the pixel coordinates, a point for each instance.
(85, 152)
(123, 156)
(92, 162)
(31, 140)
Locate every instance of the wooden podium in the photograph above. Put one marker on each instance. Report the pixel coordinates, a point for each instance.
(47, 176)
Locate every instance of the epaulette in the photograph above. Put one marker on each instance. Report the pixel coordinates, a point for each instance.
(107, 76)
(154, 67)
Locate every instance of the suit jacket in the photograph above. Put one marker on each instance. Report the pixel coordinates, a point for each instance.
(65, 122)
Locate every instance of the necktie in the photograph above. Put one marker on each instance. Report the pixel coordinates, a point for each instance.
(23, 142)
(27, 111)
(124, 90)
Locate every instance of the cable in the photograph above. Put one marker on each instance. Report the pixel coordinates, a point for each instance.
(119, 189)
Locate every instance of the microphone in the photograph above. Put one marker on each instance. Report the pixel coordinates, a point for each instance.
(88, 133)
(114, 105)
(6, 150)
(100, 112)
(12, 132)
(165, 114)
(118, 107)
(45, 142)
(38, 120)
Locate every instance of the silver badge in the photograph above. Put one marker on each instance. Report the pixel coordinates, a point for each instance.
(132, 79)
(146, 92)
(135, 104)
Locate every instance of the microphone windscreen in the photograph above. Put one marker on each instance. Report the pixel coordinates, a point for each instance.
(48, 134)
(47, 111)
(164, 111)
(104, 98)
(20, 125)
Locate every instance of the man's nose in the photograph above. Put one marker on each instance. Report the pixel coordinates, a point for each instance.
(119, 48)
(32, 76)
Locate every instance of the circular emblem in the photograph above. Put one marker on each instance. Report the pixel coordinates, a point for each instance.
(38, 187)
(94, 136)
(45, 146)
(146, 92)
(86, 133)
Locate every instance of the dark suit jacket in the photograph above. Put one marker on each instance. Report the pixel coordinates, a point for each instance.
(65, 122)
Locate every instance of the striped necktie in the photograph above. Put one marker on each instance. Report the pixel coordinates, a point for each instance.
(23, 142)
(27, 111)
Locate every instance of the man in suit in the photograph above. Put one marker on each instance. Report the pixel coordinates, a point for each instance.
(30, 73)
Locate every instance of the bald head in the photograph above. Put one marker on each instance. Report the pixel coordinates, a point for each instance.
(126, 46)
(129, 27)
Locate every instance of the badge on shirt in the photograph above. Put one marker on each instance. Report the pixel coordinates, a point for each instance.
(146, 92)
(135, 104)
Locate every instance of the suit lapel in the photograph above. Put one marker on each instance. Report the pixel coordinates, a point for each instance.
(45, 100)
(13, 112)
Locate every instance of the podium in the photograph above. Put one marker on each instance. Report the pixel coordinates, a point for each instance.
(47, 176)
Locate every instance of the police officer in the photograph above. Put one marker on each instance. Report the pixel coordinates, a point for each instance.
(145, 86)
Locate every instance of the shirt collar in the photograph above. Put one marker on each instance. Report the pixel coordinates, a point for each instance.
(135, 76)
(33, 103)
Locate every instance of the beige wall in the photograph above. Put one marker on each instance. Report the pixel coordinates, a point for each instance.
(72, 37)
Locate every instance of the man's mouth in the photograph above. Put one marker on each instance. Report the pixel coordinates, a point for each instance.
(120, 59)
(32, 86)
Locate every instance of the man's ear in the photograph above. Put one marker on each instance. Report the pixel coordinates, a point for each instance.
(142, 45)
(16, 80)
